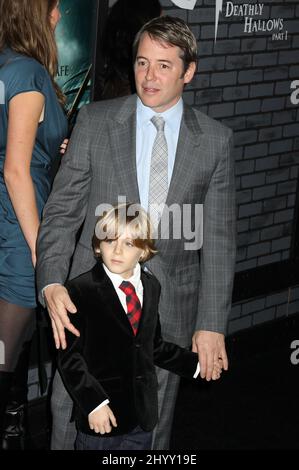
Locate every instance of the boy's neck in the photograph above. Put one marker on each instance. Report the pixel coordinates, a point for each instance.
(122, 276)
(127, 276)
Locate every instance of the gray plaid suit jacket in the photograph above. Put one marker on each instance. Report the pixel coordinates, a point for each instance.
(100, 165)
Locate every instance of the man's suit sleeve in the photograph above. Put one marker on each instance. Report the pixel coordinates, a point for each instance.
(66, 208)
(217, 262)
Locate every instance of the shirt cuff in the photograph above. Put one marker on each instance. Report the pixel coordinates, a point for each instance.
(197, 371)
(105, 402)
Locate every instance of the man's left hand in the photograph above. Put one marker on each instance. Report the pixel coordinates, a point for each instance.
(210, 347)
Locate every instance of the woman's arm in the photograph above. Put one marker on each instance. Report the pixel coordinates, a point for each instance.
(24, 115)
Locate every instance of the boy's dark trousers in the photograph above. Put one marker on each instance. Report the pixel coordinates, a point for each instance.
(137, 439)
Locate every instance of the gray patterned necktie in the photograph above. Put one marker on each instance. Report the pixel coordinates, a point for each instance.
(158, 184)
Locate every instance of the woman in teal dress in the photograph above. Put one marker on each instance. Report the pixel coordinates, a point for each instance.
(32, 128)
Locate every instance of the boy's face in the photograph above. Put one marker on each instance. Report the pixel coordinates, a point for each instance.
(121, 255)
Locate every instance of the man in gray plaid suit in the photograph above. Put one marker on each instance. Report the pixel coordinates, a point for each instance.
(109, 155)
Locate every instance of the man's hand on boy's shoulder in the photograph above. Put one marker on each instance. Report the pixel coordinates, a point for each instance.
(59, 303)
(102, 420)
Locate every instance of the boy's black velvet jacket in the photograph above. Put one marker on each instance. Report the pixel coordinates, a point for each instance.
(108, 361)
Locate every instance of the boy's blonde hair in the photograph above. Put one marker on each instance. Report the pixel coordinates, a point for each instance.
(114, 222)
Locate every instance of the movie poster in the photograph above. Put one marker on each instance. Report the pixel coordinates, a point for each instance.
(76, 37)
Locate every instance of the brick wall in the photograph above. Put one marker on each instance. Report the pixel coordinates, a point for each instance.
(256, 311)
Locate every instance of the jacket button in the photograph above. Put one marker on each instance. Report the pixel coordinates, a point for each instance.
(137, 345)
(139, 377)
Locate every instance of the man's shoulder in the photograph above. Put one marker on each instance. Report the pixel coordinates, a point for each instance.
(111, 107)
(210, 125)
(82, 281)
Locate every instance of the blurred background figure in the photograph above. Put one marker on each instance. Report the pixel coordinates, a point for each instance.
(125, 19)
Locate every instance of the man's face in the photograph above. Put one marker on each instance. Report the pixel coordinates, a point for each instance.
(159, 74)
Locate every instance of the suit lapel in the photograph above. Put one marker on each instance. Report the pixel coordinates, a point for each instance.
(122, 131)
(123, 149)
(110, 298)
(147, 304)
(112, 303)
(189, 138)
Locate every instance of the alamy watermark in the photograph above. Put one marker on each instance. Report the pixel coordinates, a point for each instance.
(295, 354)
(295, 94)
(2, 353)
(178, 222)
(2, 92)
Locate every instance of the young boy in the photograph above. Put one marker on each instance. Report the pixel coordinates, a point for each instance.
(109, 370)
